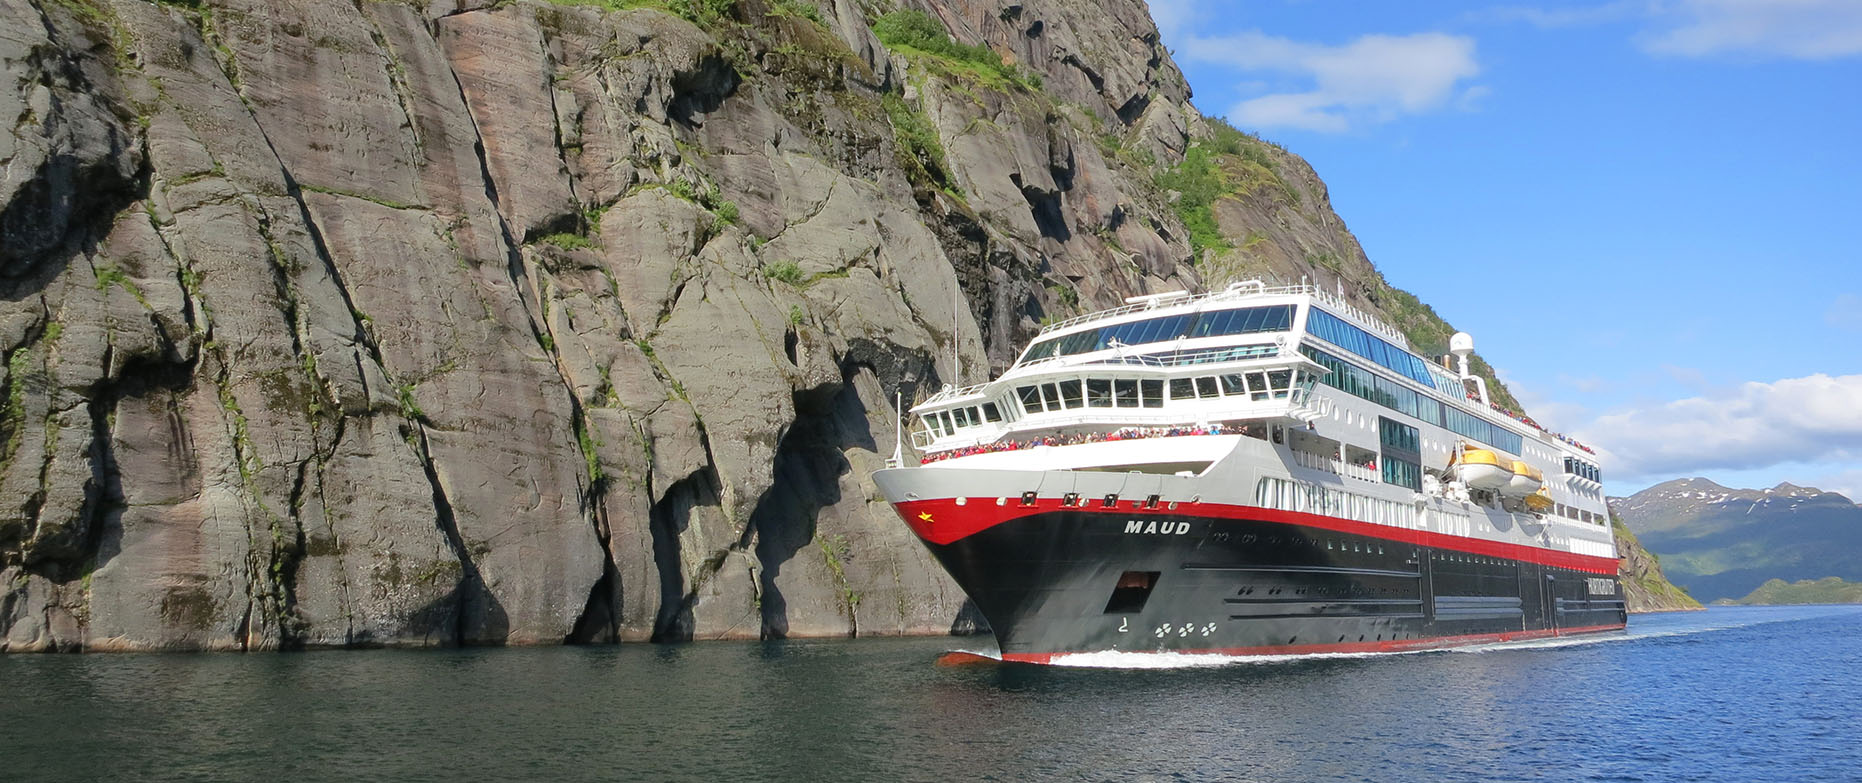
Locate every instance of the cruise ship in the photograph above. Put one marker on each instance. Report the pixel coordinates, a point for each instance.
(1252, 471)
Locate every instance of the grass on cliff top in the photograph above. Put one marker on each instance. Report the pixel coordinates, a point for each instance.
(914, 32)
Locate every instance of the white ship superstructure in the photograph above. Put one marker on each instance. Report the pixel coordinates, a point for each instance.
(1257, 401)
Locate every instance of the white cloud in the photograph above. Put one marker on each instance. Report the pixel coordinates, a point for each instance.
(1375, 78)
(1802, 29)
(1814, 418)
(1845, 312)
(1847, 483)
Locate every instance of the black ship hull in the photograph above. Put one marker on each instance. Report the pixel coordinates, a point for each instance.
(1245, 581)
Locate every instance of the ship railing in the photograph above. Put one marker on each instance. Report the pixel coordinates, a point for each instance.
(1176, 358)
(1360, 472)
(948, 393)
(1318, 461)
(1232, 292)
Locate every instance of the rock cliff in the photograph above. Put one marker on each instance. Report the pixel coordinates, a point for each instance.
(1645, 587)
(468, 322)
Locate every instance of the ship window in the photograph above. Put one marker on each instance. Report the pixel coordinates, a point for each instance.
(1182, 389)
(1070, 392)
(1098, 392)
(1257, 381)
(935, 424)
(1151, 392)
(1031, 399)
(1125, 391)
(949, 424)
(1231, 384)
(991, 412)
(1205, 387)
(1131, 591)
(962, 416)
(1281, 380)
(1051, 393)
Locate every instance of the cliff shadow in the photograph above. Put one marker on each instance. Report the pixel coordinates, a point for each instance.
(810, 462)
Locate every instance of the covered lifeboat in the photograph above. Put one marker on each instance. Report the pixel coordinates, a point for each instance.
(1525, 481)
(1481, 469)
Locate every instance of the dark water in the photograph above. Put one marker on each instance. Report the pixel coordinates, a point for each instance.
(1733, 694)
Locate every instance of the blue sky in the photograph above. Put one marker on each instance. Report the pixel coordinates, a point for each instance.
(1647, 213)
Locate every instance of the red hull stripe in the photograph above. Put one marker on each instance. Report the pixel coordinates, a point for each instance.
(941, 521)
(1395, 645)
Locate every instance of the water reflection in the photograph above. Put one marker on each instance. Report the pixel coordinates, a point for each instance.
(1730, 694)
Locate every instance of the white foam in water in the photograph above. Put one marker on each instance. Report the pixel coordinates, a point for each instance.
(1169, 660)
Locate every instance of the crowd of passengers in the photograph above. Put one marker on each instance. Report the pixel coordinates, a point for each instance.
(1074, 439)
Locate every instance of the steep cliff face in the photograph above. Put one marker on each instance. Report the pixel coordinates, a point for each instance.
(334, 323)
(468, 322)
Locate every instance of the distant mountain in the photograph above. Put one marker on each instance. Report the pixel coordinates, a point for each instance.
(1721, 543)
(1828, 590)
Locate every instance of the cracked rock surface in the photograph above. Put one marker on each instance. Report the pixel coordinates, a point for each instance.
(333, 323)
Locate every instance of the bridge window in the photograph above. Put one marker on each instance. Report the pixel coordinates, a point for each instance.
(1206, 388)
(1257, 385)
(990, 412)
(1098, 392)
(1070, 393)
(1233, 386)
(1151, 392)
(1125, 392)
(1182, 389)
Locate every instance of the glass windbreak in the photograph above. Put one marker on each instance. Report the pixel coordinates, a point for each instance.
(1273, 318)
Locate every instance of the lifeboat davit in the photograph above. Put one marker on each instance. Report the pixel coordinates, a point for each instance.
(1525, 481)
(1482, 469)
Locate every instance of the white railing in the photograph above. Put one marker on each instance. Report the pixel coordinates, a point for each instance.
(948, 393)
(1227, 293)
(1317, 461)
(1361, 473)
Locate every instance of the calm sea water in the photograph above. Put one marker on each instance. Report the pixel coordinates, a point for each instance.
(1736, 694)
